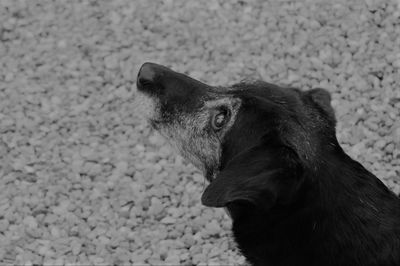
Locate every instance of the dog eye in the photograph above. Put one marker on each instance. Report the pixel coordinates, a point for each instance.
(219, 119)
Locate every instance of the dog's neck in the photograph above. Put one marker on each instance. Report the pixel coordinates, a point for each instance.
(333, 197)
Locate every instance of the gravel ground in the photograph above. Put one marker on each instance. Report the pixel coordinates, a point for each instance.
(84, 181)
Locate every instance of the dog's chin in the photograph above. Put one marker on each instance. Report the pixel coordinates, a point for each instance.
(146, 108)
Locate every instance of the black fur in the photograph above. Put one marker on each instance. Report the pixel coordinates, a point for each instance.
(294, 195)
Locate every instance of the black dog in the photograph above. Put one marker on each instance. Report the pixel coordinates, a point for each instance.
(274, 162)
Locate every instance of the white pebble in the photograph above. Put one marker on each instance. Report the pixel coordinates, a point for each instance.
(156, 206)
(55, 232)
(111, 61)
(168, 220)
(30, 221)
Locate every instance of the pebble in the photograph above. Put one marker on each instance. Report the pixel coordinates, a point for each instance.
(380, 144)
(111, 61)
(199, 258)
(188, 240)
(76, 248)
(396, 135)
(30, 222)
(168, 220)
(9, 77)
(96, 260)
(213, 227)
(173, 259)
(4, 223)
(125, 211)
(156, 206)
(55, 232)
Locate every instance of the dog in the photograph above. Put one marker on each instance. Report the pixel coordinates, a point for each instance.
(273, 161)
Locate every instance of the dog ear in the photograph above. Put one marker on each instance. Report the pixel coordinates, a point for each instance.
(261, 176)
(322, 98)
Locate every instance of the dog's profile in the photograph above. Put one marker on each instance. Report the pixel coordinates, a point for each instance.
(273, 160)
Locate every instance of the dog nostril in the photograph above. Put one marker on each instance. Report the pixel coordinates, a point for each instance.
(144, 82)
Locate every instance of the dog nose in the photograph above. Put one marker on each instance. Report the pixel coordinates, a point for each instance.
(147, 75)
(159, 80)
(154, 78)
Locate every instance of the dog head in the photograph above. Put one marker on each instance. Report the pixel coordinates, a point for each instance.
(253, 141)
